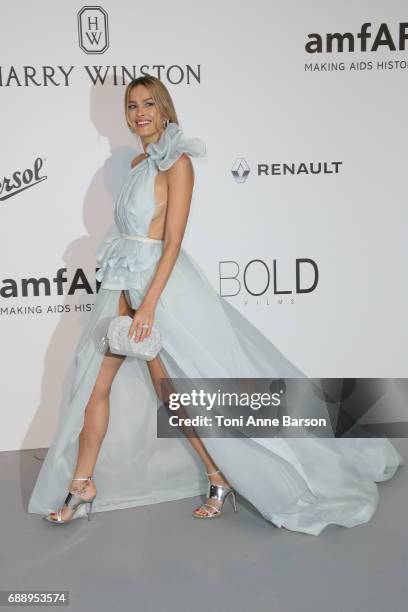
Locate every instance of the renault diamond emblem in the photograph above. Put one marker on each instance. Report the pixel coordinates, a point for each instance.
(240, 170)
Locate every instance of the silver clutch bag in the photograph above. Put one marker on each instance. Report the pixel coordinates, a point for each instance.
(118, 341)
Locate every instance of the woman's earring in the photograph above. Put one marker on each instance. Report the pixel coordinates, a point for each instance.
(165, 123)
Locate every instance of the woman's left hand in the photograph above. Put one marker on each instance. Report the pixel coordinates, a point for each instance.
(144, 315)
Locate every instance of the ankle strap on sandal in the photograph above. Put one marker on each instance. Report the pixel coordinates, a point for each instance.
(87, 478)
(212, 473)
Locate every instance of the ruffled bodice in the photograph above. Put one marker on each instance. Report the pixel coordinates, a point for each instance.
(172, 145)
(124, 262)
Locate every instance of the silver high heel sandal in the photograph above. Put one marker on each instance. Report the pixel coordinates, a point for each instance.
(73, 502)
(216, 492)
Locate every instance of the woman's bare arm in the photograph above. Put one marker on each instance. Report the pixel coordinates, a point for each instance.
(180, 177)
(180, 189)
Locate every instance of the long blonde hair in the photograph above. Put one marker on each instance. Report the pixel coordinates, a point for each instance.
(158, 92)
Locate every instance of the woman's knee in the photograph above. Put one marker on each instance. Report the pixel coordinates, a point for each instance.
(109, 368)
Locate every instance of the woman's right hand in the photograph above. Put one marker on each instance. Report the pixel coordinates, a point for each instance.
(142, 323)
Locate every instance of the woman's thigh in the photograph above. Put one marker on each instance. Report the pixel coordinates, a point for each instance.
(156, 368)
(107, 372)
(111, 362)
(125, 305)
(160, 378)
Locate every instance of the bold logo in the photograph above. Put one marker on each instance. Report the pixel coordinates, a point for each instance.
(240, 170)
(93, 29)
(255, 278)
(21, 180)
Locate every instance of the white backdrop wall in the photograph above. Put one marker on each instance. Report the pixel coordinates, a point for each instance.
(243, 81)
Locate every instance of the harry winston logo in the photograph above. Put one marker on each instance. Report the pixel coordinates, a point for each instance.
(240, 170)
(21, 180)
(93, 29)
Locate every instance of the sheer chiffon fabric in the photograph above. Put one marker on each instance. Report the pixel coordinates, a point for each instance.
(302, 484)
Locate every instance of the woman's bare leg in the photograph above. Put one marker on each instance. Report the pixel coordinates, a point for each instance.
(96, 421)
(157, 371)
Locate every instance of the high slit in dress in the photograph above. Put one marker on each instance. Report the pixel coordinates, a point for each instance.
(302, 484)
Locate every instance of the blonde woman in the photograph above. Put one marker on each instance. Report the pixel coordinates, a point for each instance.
(106, 451)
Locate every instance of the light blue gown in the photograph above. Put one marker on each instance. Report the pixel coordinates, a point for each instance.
(302, 484)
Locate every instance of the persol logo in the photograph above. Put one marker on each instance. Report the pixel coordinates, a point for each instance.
(21, 180)
(363, 41)
(93, 31)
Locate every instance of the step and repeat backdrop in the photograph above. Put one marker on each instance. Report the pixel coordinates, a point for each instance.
(299, 212)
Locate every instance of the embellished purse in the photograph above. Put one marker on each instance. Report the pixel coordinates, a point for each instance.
(119, 343)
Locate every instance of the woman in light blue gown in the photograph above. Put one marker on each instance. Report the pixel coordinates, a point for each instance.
(107, 432)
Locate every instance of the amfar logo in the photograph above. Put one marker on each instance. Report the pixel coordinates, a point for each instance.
(336, 42)
(44, 286)
(21, 180)
(93, 29)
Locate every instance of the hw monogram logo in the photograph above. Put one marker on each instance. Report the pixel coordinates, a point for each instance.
(93, 29)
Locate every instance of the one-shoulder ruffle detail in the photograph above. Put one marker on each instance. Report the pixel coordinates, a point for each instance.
(171, 145)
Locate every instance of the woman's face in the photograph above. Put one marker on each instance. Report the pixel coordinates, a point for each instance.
(143, 114)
